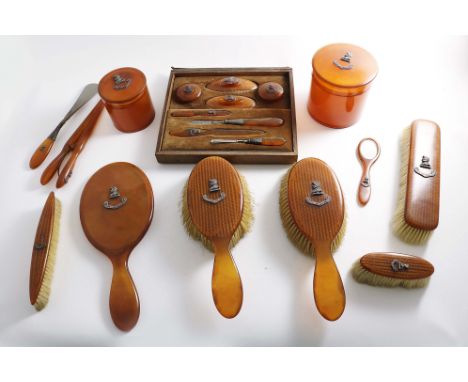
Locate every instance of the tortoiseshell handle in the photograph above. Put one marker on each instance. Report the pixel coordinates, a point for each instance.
(329, 292)
(41, 153)
(90, 124)
(264, 122)
(123, 299)
(226, 283)
(193, 113)
(54, 166)
(364, 191)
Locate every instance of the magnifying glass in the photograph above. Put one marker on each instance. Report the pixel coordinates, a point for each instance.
(368, 151)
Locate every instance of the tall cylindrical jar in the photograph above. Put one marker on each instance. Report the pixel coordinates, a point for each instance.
(127, 100)
(341, 77)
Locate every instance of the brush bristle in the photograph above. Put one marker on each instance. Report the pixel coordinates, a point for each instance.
(44, 291)
(242, 229)
(363, 276)
(294, 234)
(402, 229)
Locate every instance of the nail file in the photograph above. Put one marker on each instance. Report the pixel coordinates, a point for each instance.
(203, 113)
(263, 122)
(195, 132)
(275, 141)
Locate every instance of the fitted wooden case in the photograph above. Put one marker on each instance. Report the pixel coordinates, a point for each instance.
(174, 149)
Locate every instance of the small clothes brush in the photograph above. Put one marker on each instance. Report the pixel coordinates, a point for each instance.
(417, 213)
(44, 253)
(388, 269)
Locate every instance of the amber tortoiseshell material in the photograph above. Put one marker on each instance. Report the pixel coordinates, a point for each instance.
(42, 243)
(422, 193)
(44, 148)
(270, 91)
(229, 84)
(188, 92)
(337, 95)
(321, 225)
(41, 153)
(364, 190)
(202, 113)
(116, 231)
(218, 223)
(231, 101)
(73, 147)
(407, 267)
(127, 100)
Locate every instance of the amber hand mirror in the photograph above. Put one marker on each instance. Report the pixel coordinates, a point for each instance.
(116, 210)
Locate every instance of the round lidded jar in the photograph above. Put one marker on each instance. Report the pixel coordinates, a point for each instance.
(342, 74)
(188, 92)
(270, 91)
(127, 100)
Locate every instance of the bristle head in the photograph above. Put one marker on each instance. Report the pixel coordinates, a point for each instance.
(401, 228)
(246, 218)
(44, 291)
(335, 224)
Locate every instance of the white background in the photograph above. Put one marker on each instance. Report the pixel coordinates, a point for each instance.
(420, 77)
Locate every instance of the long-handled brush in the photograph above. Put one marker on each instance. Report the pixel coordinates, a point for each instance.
(388, 269)
(313, 214)
(417, 213)
(216, 209)
(44, 253)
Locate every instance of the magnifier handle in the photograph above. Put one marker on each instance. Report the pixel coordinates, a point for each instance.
(364, 191)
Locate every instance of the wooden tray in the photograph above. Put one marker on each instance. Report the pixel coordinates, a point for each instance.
(171, 149)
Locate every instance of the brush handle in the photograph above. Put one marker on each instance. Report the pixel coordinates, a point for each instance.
(329, 292)
(123, 300)
(226, 284)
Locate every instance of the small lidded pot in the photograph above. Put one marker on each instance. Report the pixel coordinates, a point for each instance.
(127, 100)
(342, 74)
(188, 92)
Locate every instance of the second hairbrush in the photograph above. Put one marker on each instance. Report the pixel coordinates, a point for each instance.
(313, 214)
(217, 211)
